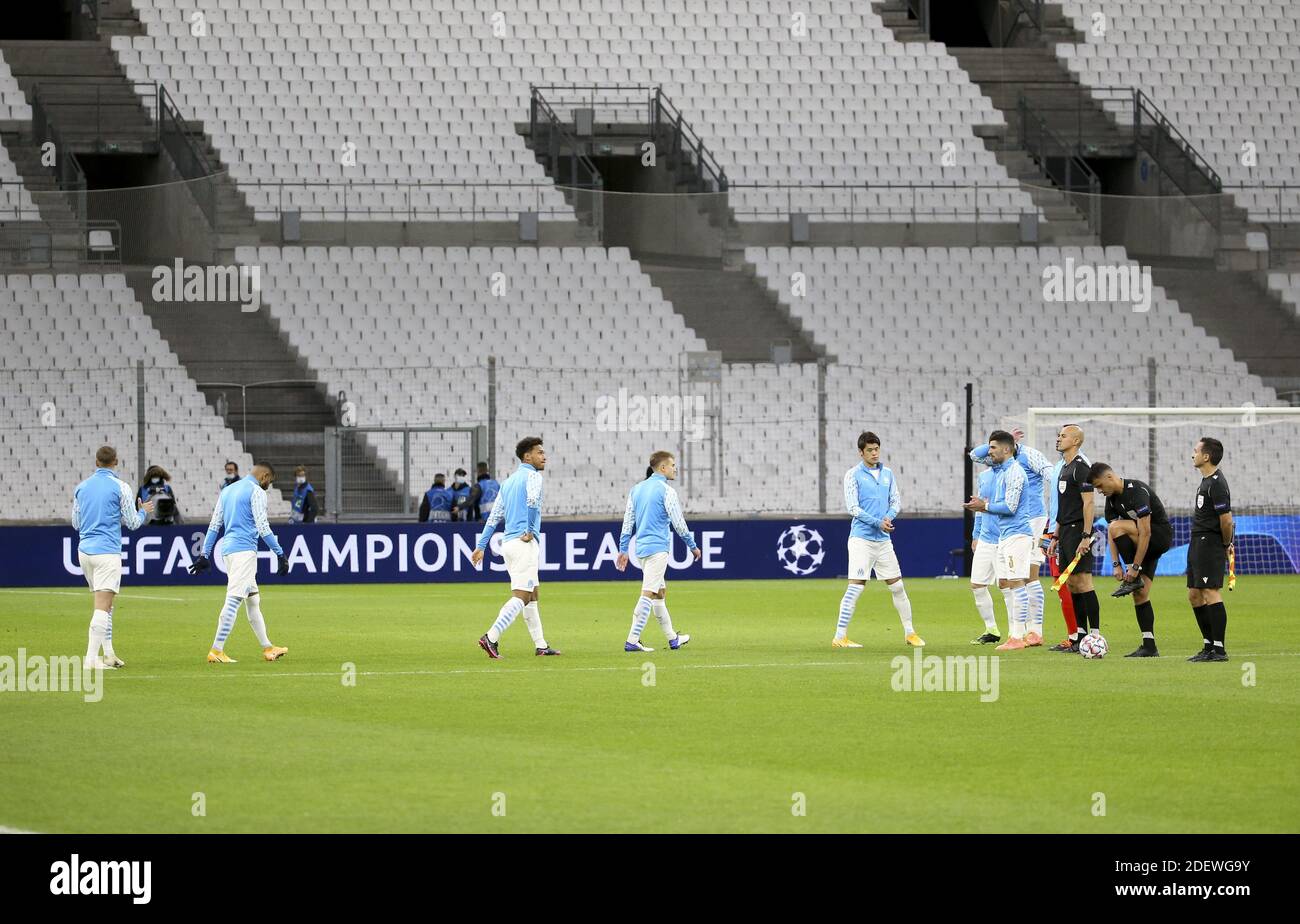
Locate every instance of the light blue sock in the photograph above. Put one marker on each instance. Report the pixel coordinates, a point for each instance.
(227, 621)
(513, 607)
(847, 604)
(640, 615)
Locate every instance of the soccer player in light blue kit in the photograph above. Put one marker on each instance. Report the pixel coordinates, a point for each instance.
(101, 506)
(652, 507)
(1015, 535)
(1037, 468)
(983, 570)
(241, 513)
(873, 500)
(519, 508)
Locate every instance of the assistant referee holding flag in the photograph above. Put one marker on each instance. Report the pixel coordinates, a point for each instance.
(1207, 555)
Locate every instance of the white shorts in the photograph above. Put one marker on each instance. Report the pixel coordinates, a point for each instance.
(521, 563)
(241, 573)
(103, 572)
(653, 570)
(867, 555)
(1039, 526)
(984, 566)
(1013, 557)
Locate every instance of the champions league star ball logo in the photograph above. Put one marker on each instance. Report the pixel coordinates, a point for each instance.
(800, 550)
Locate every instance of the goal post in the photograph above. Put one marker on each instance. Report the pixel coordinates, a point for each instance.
(1155, 444)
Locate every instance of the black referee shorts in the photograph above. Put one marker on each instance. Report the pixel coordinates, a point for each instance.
(1161, 542)
(1068, 537)
(1207, 560)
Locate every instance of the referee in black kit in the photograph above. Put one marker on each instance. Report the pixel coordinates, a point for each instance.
(1139, 532)
(1074, 516)
(1207, 555)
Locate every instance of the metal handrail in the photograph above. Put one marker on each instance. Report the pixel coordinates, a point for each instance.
(67, 171)
(1074, 164)
(539, 106)
(45, 87)
(921, 10)
(1163, 122)
(190, 161)
(660, 113)
(1031, 10)
(705, 161)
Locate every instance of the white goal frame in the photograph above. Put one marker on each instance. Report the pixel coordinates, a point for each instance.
(1034, 414)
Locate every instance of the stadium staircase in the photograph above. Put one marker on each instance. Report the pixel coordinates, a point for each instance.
(732, 310)
(1237, 307)
(700, 265)
(222, 347)
(96, 110)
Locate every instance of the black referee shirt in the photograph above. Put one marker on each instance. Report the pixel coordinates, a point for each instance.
(1071, 485)
(1136, 501)
(1212, 501)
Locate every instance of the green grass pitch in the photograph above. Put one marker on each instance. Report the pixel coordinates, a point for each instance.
(756, 710)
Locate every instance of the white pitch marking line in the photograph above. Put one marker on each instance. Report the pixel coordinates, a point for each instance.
(72, 593)
(503, 670)
(4, 830)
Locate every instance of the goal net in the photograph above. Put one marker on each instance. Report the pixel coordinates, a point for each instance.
(1155, 445)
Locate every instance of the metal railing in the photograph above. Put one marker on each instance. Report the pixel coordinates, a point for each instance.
(554, 141)
(174, 135)
(108, 97)
(684, 140)
(921, 10)
(66, 170)
(1145, 108)
(1022, 12)
(1059, 160)
(548, 136)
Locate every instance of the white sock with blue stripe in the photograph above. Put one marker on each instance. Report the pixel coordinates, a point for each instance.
(848, 603)
(109, 654)
(533, 620)
(665, 621)
(640, 615)
(226, 621)
(514, 606)
(1021, 602)
(1035, 589)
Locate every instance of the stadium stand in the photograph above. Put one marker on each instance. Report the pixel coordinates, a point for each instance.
(1226, 74)
(912, 325)
(13, 105)
(69, 384)
(435, 94)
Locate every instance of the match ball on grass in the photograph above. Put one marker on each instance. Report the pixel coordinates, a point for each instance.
(1093, 646)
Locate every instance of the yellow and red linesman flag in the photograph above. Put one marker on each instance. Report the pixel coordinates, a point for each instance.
(1069, 569)
(1232, 567)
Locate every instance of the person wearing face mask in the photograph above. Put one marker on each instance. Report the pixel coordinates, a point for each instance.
(464, 496)
(240, 514)
(303, 509)
(232, 474)
(436, 505)
(156, 487)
